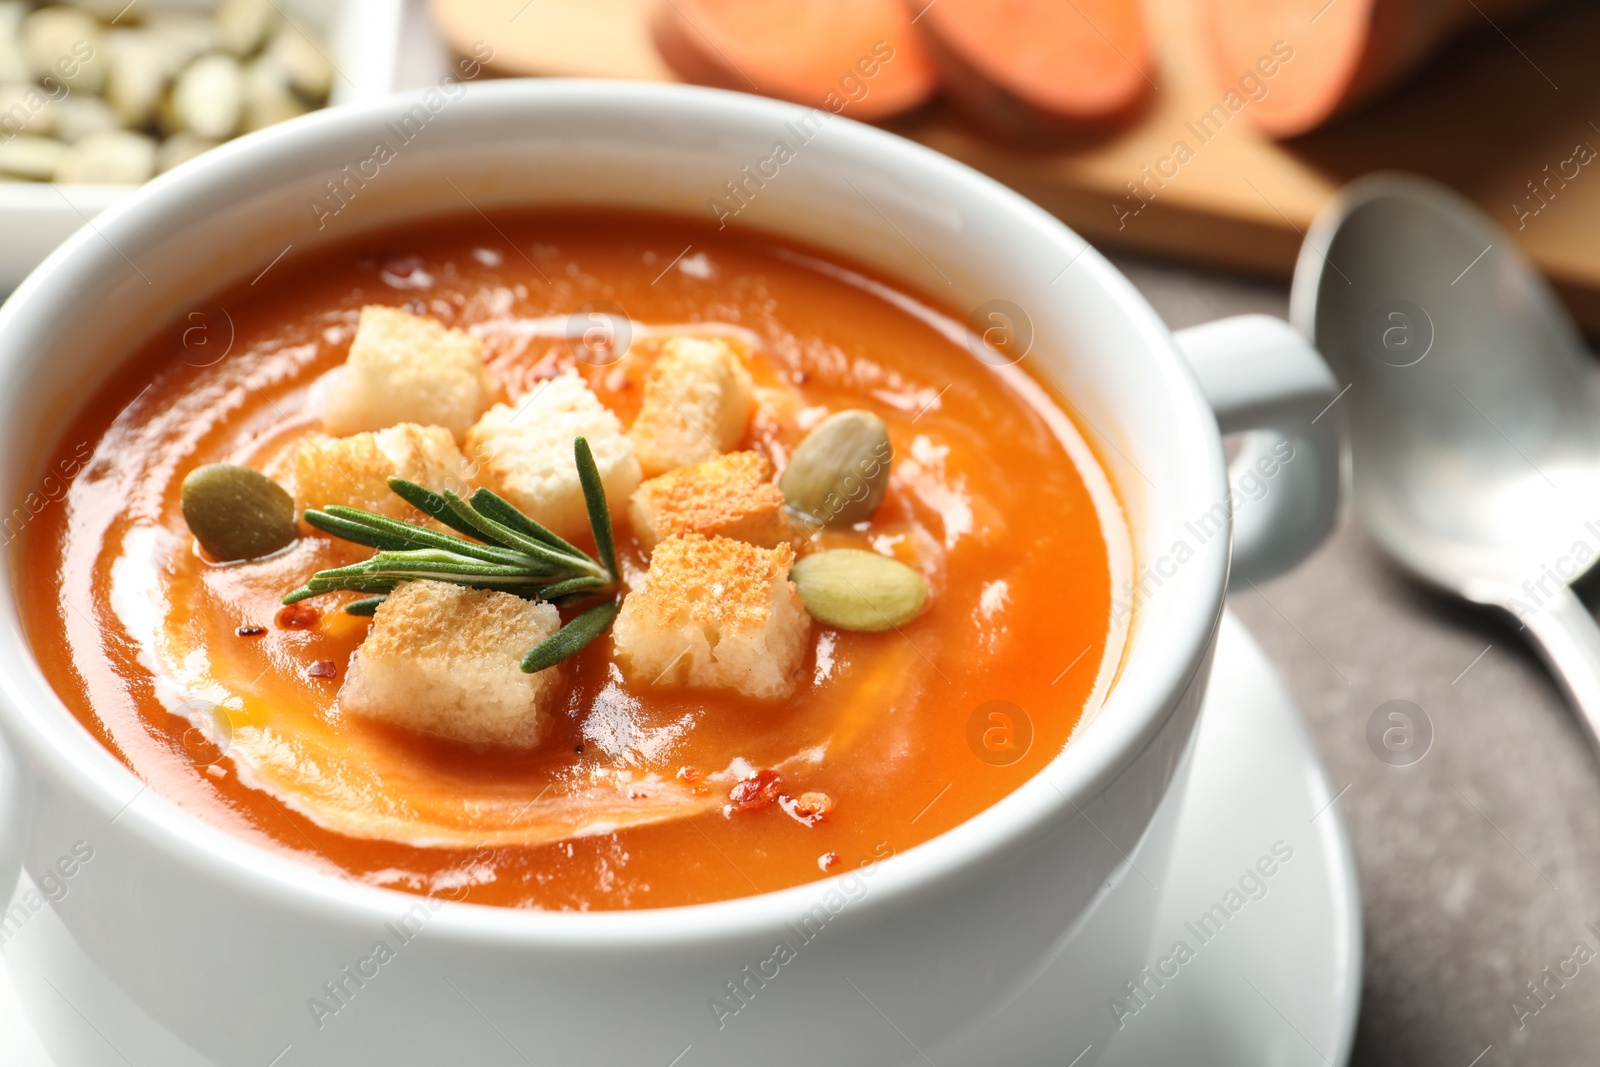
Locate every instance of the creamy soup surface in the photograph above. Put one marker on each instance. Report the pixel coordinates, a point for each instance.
(908, 732)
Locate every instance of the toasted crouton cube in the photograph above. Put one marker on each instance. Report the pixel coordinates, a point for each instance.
(355, 471)
(444, 660)
(714, 612)
(732, 496)
(525, 453)
(404, 368)
(697, 401)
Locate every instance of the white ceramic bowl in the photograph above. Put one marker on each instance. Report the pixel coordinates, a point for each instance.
(223, 946)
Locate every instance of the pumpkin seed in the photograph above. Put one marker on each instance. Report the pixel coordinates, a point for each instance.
(309, 71)
(184, 36)
(27, 156)
(180, 148)
(79, 116)
(268, 96)
(114, 157)
(850, 589)
(243, 24)
(208, 98)
(66, 45)
(237, 512)
(26, 108)
(838, 475)
(137, 78)
(13, 58)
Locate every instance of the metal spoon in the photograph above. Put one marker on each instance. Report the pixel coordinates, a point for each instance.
(1474, 433)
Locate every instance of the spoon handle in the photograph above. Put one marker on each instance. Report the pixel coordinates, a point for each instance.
(1568, 638)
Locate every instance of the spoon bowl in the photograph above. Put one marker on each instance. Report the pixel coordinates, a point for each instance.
(1474, 434)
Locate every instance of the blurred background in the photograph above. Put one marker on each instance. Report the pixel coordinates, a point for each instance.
(1207, 131)
(1193, 141)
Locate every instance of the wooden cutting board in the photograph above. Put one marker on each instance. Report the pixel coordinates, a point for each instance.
(1506, 109)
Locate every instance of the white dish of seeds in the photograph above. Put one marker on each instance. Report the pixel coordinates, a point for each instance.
(97, 96)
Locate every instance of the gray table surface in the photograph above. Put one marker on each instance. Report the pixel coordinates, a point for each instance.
(1479, 863)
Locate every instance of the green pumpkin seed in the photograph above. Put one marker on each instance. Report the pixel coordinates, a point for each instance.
(237, 512)
(850, 589)
(838, 475)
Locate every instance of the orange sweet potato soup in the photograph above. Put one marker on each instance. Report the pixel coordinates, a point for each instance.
(620, 777)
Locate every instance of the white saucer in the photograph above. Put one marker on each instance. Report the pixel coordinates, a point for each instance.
(1280, 983)
(1277, 983)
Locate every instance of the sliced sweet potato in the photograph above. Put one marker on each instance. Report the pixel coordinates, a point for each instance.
(1023, 67)
(861, 58)
(1317, 59)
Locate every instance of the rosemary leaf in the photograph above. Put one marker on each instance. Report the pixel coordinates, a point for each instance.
(494, 531)
(393, 535)
(492, 505)
(594, 497)
(364, 606)
(385, 582)
(359, 532)
(572, 586)
(571, 638)
(429, 503)
(439, 562)
(355, 583)
(478, 525)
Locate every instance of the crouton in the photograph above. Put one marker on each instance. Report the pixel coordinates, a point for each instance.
(355, 471)
(403, 368)
(444, 660)
(714, 612)
(525, 453)
(731, 496)
(697, 401)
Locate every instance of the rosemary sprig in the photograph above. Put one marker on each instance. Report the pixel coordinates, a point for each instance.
(510, 553)
(570, 638)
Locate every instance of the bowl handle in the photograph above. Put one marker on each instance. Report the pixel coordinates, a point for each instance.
(1265, 381)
